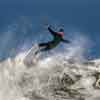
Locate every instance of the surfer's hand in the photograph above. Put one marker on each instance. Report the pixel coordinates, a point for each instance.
(49, 26)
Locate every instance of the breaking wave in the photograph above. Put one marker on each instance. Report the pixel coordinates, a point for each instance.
(59, 76)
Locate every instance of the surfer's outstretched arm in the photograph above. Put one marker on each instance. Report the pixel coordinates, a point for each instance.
(65, 41)
(51, 31)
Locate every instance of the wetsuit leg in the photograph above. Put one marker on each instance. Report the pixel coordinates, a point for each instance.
(43, 47)
(46, 46)
(43, 44)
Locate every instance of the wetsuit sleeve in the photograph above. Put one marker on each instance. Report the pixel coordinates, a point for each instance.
(51, 31)
(65, 41)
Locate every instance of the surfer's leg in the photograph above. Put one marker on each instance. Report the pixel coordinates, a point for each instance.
(43, 44)
(44, 48)
(41, 47)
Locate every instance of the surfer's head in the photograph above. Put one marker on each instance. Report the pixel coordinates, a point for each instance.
(61, 31)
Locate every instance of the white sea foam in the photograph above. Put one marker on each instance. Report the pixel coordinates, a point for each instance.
(60, 76)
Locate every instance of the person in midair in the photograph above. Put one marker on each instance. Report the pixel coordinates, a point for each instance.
(57, 38)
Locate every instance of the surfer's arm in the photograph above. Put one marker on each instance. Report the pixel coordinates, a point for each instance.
(51, 31)
(65, 41)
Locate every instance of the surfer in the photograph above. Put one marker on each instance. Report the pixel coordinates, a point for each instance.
(57, 38)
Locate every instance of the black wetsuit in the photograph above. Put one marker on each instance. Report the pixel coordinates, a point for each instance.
(57, 38)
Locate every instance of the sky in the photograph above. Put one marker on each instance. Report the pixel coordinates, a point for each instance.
(76, 15)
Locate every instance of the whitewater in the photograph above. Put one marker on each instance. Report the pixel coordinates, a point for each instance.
(59, 76)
